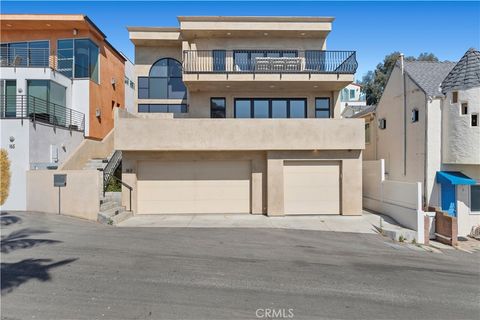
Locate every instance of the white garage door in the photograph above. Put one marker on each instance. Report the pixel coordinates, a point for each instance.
(193, 187)
(312, 187)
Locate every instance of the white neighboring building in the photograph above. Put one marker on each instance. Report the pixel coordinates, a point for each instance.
(352, 97)
(129, 85)
(427, 131)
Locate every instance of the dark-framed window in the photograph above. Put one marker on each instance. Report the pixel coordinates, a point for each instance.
(163, 82)
(270, 108)
(474, 119)
(415, 115)
(322, 107)
(218, 107)
(162, 108)
(475, 197)
(244, 60)
(464, 108)
(78, 58)
(32, 53)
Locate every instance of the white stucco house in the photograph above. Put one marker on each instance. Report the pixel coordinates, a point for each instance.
(427, 131)
(352, 100)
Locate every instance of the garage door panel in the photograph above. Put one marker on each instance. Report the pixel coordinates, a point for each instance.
(312, 187)
(194, 187)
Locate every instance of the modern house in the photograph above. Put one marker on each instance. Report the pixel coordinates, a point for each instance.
(352, 100)
(60, 83)
(240, 115)
(426, 129)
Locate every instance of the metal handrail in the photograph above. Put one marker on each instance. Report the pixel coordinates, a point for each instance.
(129, 189)
(40, 110)
(270, 61)
(26, 57)
(111, 166)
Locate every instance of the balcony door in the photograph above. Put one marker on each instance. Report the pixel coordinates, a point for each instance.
(8, 89)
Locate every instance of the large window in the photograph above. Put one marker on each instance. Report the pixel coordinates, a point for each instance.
(217, 108)
(164, 81)
(163, 108)
(8, 90)
(475, 198)
(270, 108)
(78, 58)
(47, 100)
(25, 54)
(322, 108)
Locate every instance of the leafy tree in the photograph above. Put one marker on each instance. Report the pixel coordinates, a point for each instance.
(4, 176)
(374, 82)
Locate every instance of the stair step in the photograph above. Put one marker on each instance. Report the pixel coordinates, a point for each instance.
(109, 205)
(105, 216)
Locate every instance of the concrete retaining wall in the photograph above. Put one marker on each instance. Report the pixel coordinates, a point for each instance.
(80, 198)
(401, 201)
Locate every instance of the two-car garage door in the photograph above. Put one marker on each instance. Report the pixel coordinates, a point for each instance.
(193, 187)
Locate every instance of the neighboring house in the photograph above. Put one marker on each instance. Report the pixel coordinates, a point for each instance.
(60, 82)
(241, 115)
(426, 129)
(129, 85)
(352, 98)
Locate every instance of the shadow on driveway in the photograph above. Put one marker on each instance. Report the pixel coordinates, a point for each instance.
(18, 273)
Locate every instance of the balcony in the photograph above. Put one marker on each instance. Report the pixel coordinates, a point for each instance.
(163, 134)
(39, 110)
(333, 69)
(26, 57)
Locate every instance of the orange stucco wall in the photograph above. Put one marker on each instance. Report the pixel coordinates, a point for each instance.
(102, 95)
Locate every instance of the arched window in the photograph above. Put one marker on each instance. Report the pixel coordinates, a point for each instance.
(164, 81)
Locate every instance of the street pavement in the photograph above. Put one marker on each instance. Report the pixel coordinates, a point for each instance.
(57, 267)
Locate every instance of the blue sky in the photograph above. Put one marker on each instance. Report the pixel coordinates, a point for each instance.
(373, 29)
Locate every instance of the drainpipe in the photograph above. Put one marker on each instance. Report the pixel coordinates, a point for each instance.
(404, 116)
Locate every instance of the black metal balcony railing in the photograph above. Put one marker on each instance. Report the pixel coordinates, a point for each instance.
(26, 57)
(40, 110)
(269, 61)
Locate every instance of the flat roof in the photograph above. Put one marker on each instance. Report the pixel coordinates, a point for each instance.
(256, 18)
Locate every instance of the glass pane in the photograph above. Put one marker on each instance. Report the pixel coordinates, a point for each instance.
(159, 69)
(17, 53)
(298, 109)
(279, 108)
(82, 58)
(93, 62)
(159, 108)
(242, 109)
(240, 60)
(290, 54)
(218, 103)
(260, 108)
(37, 91)
(158, 88)
(475, 198)
(143, 93)
(38, 53)
(10, 98)
(322, 114)
(177, 108)
(273, 54)
(58, 97)
(174, 68)
(322, 103)
(176, 89)
(65, 44)
(219, 60)
(143, 82)
(65, 57)
(143, 108)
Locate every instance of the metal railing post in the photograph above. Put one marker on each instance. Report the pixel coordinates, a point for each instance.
(130, 200)
(34, 111)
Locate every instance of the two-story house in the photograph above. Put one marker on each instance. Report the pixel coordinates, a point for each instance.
(352, 99)
(240, 115)
(426, 129)
(60, 81)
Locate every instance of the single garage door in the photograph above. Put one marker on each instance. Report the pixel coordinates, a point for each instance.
(193, 187)
(312, 187)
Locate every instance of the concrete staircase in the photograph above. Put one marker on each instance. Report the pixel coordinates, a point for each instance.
(96, 164)
(111, 209)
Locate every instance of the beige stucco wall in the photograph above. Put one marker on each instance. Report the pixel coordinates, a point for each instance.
(370, 151)
(77, 200)
(267, 174)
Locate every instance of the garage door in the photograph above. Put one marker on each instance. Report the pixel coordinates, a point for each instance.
(312, 187)
(193, 187)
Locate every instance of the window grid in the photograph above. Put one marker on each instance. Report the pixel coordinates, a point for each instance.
(271, 101)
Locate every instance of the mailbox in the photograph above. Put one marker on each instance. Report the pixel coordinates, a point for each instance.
(59, 180)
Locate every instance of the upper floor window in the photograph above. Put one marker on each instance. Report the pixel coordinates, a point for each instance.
(217, 108)
(78, 58)
(474, 119)
(367, 132)
(164, 81)
(322, 108)
(454, 96)
(352, 94)
(464, 108)
(25, 54)
(415, 115)
(270, 108)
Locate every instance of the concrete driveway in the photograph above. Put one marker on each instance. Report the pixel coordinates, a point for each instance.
(56, 267)
(335, 223)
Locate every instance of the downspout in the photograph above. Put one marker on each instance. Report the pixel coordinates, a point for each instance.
(404, 116)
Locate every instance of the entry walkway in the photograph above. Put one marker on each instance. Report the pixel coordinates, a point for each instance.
(357, 224)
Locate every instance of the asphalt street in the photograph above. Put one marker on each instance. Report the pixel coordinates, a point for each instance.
(57, 267)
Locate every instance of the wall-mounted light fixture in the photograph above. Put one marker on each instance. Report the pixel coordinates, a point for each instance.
(75, 31)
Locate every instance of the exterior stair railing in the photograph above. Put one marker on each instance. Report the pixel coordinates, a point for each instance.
(109, 173)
